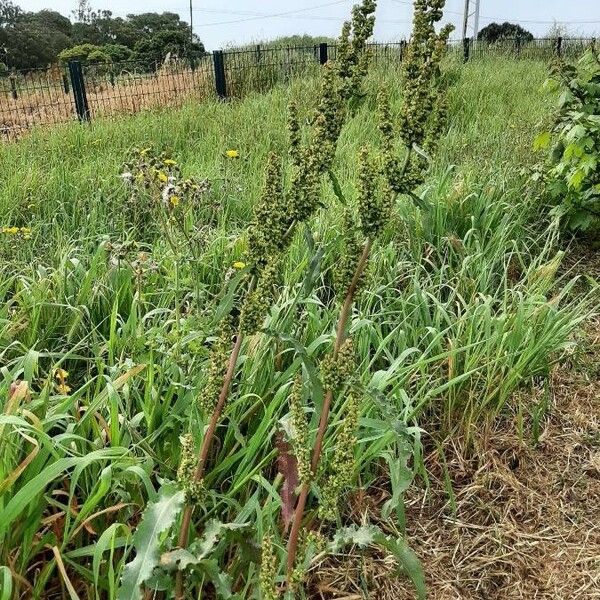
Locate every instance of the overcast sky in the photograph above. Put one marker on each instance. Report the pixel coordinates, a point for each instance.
(220, 23)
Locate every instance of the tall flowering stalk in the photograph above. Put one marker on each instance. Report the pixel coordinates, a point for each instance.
(269, 236)
(382, 177)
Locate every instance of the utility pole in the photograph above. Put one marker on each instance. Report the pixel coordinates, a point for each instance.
(191, 24)
(466, 20)
(476, 21)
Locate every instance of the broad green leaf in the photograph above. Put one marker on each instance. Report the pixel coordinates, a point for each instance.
(576, 179)
(157, 518)
(6, 583)
(182, 558)
(542, 140)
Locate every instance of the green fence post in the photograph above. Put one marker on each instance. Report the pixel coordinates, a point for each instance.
(559, 46)
(78, 85)
(466, 48)
(323, 53)
(220, 81)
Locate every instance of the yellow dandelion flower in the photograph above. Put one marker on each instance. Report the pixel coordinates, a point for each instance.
(169, 162)
(162, 176)
(12, 230)
(239, 264)
(232, 154)
(174, 200)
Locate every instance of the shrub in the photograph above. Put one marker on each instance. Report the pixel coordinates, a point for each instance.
(80, 52)
(572, 171)
(98, 56)
(117, 52)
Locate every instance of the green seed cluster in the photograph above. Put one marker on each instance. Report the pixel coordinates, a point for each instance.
(438, 121)
(305, 186)
(392, 170)
(309, 543)
(353, 60)
(372, 205)
(329, 118)
(294, 133)
(339, 83)
(267, 232)
(337, 370)
(259, 300)
(349, 256)
(194, 490)
(268, 570)
(219, 356)
(301, 441)
(421, 67)
(340, 470)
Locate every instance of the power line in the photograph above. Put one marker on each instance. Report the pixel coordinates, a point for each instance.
(531, 21)
(274, 15)
(253, 15)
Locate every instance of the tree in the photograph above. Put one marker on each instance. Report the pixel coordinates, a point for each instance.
(9, 13)
(495, 32)
(36, 39)
(32, 40)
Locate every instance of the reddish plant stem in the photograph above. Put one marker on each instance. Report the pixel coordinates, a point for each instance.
(340, 337)
(204, 452)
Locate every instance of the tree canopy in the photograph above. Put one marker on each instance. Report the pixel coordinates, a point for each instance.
(31, 40)
(495, 32)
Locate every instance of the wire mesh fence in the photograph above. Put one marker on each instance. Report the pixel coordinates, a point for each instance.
(68, 92)
(519, 48)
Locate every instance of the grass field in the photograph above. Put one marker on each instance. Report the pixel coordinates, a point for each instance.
(468, 307)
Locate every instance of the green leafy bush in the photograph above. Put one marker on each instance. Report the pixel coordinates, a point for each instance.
(81, 52)
(117, 52)
(572, 171)
(98, 56)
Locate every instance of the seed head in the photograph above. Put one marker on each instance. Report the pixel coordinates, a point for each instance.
(301, 440)
(340, 470)
(194, 490)
(268, 570)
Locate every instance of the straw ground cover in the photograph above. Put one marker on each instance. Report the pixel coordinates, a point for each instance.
(109, 325)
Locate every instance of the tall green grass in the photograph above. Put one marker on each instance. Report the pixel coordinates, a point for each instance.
(462, 308)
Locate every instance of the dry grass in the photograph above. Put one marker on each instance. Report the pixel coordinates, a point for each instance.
(45, 102)
(526, 524)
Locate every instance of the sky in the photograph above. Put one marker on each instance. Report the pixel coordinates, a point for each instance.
(220, 24)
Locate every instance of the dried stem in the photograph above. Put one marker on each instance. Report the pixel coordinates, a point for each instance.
(318, 447)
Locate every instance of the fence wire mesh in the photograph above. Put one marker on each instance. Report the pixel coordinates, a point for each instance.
(47, 96)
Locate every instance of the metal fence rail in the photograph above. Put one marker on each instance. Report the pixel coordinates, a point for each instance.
(64, 93)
